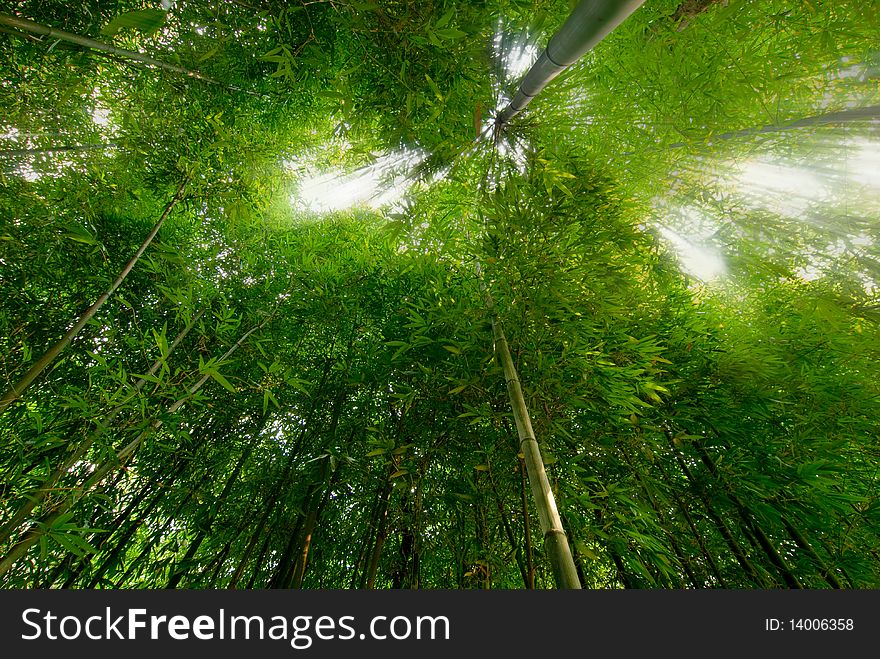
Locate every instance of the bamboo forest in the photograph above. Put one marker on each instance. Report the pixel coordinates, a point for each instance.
(324, 294)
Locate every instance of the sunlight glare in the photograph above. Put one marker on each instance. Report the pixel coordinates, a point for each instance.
(516, 55)
(700, 261)
(864, 165)
(519, 59)
(383, 182)
(101, 115)
(788, 191)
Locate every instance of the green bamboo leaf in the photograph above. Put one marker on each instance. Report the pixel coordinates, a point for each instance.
(80, 234)
(435, 89)
(450, 33)
(147, 377)
(148, 21)
(443, 21)
(222, 380)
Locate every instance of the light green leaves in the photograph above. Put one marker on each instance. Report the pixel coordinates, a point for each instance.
(147, 21)
(286, 60)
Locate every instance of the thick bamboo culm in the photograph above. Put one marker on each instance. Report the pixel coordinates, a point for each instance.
(589, 23)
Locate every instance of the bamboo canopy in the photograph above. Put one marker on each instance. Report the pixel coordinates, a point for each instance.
(571, 358)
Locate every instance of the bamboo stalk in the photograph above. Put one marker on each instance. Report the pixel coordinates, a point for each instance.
(713, 565)
(589, 22)
(154, 538)
(53, 33)
(508, 530)
(720, 525)
(381, 534)
(257, 567)
(676, 548)
(37, 495)
(527, 530)
(207, 522)
(750, 523)
(804, 544)
(555, 539)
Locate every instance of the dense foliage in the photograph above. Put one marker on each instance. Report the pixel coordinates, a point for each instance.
(278, 396)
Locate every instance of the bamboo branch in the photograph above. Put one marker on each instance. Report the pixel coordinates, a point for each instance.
(40, 527)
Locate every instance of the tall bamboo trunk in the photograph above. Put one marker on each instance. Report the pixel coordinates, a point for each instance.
(121, 543)
(805, 545)
(286, 566)
(527, 530)
(18, 388)
(683, 561)
(215, 566)
(359, 572)
(121, 529)
(282, 483)
(154, 537)
(698, 537)
(298, 543)
(291, 573)
(308, 535)
(246, 557)
(622, 573)
(381, 533)
(764, 542)
(589, 22)
(701, 543)
(555, 540)
(255, 573)
(508, 531)
(262, 526)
